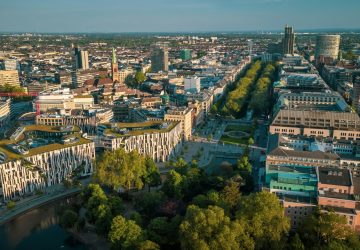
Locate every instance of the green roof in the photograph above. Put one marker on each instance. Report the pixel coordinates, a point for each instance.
(11, 155)
(141, 128)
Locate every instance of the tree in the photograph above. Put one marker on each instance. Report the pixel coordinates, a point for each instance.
(103, 218)
(243, 165)
(263, 217)
(251, 141)
(296, 243)
(139, 77)
(148, 245)
(231, 195)
(10, 205)
(68, 218)
(174, 184)
(116, 205)
(211, 229)
(211, 198)
(124, 234)
(164, 231)
(97, 198)
(152, 177)
(147, 204)
(328, 230)
(119, 169)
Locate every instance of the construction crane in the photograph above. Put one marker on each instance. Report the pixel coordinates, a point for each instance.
(21, 94)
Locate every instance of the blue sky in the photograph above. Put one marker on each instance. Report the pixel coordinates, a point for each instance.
(175, 16)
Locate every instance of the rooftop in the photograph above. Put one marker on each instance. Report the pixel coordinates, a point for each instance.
(128, 129)
(341, 177)
(26, 145)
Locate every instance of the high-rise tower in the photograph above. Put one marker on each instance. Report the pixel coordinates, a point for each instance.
(327, 48)
(160, 58)
(114, 67)
(289, 40)
(80, 58)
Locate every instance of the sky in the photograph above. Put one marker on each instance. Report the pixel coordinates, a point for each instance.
(176, 16)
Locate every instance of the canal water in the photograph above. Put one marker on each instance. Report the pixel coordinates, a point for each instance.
(38, 229)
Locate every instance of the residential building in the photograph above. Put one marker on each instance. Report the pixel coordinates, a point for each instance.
(192, 84)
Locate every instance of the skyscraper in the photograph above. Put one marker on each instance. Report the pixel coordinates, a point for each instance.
(327, 48)
(185, 54)
(114, 67)
(289, 40)
(160, 58)
(80, 58)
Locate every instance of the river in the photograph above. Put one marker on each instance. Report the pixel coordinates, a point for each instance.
(38, 229)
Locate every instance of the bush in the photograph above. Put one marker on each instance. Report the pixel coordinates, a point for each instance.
(11, 205)
(69, 218)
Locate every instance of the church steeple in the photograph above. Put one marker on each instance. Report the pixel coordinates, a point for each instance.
(113, 59)
(114, 67)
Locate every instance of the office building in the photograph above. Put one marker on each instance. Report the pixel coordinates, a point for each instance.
(11, 64)
(157, 139)
(160, 58)
(9, 77)
(356, 94)
(327, 48)
(80, 58)
(192, 84)
(37, 156)
(288, 41)
(184, 116)
(5, 105)
(185, 54)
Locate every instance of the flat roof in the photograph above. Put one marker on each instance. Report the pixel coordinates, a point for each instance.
(335, 176)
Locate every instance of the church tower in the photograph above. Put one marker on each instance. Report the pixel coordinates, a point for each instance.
(114, 67)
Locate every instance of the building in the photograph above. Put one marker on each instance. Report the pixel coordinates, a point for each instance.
(356, 94)
(160, 58)
(114, 67)
(9, 77)
(184, 116)
(338, 125)
(80, 58)
(5, 105)
(87, 120)
(192, 84)
(63, 99)
(185, 54)
(37, 157)
(11, 64)
(327, 48)
(288, 41)
(158, 139)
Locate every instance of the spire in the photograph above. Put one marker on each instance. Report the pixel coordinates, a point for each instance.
(113, 59)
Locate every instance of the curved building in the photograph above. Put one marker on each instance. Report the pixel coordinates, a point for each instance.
(327, 48)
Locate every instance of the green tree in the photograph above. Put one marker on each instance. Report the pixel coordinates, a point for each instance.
(148, 245)
(231, 195)
(296, 243)
(140, 77)
(174, 185)
(152, 177)
(124, 234)
(211, 198)
(103, 218)
(326, 230)
(211, 229)
(119, 169)
(10, 205)
(68, 218)
(263, 217)
(148, 203)
(243, 165)
(251, 141)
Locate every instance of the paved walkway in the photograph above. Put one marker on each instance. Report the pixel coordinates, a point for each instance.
(52, 193)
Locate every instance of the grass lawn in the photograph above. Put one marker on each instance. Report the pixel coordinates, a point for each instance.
(244, 128)
(233, 140)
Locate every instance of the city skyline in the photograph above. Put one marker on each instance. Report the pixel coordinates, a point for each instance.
(186, 16)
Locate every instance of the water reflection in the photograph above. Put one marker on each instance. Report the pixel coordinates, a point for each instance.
(37, 229)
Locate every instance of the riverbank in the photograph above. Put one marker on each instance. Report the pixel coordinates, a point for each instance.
(35, 202)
